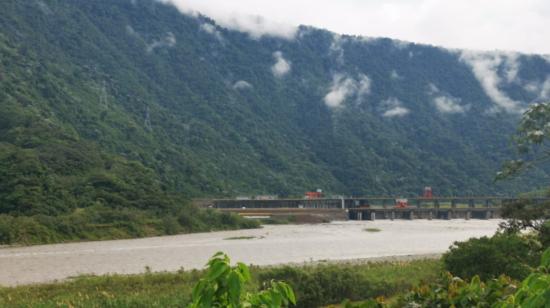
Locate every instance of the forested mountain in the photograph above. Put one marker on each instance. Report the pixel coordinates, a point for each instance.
(132, 104)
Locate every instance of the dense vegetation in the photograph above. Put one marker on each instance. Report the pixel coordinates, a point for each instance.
(332, 284)
(102, 223)
(513, 252)
(502, 292)
(175, 289)
(490, 257)
(115, 112)
(388, 285)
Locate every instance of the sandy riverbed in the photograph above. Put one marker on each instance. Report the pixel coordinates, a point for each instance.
(270, 245)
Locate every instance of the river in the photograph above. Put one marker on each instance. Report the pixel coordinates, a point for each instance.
(272, 244)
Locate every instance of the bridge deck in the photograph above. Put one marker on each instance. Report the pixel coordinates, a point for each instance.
(375, 207)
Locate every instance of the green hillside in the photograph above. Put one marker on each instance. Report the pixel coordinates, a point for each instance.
(119, 111)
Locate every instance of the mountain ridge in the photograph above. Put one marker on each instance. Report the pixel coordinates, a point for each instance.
(204, 109)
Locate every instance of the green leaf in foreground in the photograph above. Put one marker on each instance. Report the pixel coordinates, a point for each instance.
(223, 286)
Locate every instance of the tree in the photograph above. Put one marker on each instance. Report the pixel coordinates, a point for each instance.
(531, 141)
(489, 257)
(526, 214)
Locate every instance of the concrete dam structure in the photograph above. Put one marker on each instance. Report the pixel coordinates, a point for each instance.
(370, 208)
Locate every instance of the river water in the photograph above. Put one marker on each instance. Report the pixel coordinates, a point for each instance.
(274, 244)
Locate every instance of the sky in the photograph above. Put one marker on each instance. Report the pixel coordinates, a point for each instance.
(507, 25)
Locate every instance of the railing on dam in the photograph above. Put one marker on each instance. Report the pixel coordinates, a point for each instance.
(278, 203)
(362, 202)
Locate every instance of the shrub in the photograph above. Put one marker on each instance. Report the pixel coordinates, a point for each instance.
(544, 234)
(533, 292)
(508, 254)
(6, 229)
(454, 292)
(325, 284)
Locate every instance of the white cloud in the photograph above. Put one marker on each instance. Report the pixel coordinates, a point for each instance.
(340, 89)
(208, 28)
(541, 89)
(363, 85)
(130, 30)
(281, 66)
(367, 39)
(211, 29)
(532, 87)
(396, 112)
(344, 87)
(485, 67)
(227, 15)
(44, 8)
(394, 75)
(511, 67)
(444, 102)
(545, 91)
(336, 49)
(242, 85)
(169, 40)
(399, 44)
(468, 24)
(393, 107)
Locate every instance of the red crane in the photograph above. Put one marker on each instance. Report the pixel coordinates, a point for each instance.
(428, 194)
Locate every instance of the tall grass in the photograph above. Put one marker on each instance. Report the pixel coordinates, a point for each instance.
(314, 285)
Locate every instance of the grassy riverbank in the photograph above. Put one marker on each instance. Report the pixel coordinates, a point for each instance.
(102, 223)
(315, 285)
